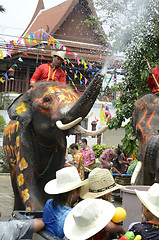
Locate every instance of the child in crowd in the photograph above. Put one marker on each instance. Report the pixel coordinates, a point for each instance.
(149, 228)
(17, 229)
(87, 219)
(65, 191)
(100, 185)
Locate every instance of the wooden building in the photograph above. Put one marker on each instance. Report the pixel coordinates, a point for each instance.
(65, 24)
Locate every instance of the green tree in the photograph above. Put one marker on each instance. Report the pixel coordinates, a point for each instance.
(2, 124)
(2, 9)
(143, 44)
(132, 27)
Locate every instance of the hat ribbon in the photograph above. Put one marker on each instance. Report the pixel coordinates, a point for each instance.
(103, 189)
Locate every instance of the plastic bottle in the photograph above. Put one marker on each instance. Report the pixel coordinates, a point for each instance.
(128, 236)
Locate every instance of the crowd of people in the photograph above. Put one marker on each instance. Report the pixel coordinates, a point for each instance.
(80, 204)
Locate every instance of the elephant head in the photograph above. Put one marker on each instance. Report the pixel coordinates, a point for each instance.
(146, 129)
(35, 139)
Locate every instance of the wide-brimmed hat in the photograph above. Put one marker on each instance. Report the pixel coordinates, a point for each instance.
(100, 182)
(66, 180)
(150, 199)
(61, 54)
(87, 218)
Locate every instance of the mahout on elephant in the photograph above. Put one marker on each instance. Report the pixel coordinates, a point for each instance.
(146, 129)
(35, 139)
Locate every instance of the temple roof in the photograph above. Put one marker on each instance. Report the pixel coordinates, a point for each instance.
(62, 20)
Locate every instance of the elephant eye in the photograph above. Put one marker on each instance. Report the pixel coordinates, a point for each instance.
(47, 100)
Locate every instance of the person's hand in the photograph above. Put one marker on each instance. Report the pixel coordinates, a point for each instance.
(150, 71)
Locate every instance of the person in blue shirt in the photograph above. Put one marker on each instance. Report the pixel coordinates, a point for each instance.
(65, 190)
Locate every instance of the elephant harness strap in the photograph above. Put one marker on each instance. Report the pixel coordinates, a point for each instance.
(51, 72)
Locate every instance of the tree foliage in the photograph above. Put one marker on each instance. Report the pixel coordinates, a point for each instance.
(2, 9)
(133, 27)
(2, 124)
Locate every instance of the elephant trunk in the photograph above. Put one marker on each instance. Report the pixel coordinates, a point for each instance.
(152, 154)
(86, 101)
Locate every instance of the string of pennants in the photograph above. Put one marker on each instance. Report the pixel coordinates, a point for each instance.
(39, 38)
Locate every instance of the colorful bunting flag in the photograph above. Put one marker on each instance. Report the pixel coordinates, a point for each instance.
(25, 53)
(6, 75)
(102, 115)
(11, 69)
(1, 54)
(20, 59)
(1, 80)
(107, 113)
(96, 119)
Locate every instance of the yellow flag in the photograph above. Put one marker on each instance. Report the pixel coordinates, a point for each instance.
(1, 80)
(75, 76)
(102, 116)
(1, 54)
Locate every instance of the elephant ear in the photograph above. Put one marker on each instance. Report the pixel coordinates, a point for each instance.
(21, 109)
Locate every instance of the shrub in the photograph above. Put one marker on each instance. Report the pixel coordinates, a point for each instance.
(99, 148)
(5, 164)
(2, 124)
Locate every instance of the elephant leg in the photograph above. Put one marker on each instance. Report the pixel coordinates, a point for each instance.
(149, 177)
(18, 203)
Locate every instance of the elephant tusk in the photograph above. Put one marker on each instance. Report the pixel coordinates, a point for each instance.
(67, 126)
(81, 130)
(136, 172)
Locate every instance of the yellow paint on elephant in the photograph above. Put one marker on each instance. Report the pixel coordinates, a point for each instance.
(13, 160)
(17, 141)
(25, 195)
(21, 108)
(20, 179)
(5, 149)
(17, 125)
(64, 95)
(18, 156)
(13, 169)
(7, 131)
(23, 164)
(28, 209)
(8, 151)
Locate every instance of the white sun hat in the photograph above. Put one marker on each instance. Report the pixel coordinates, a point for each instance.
(87, 218)
(60, 54)
(100, 182)
(66, 180)
(150, 199)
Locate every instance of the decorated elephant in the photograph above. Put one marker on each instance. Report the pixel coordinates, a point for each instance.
(35, 138)
(146, 129)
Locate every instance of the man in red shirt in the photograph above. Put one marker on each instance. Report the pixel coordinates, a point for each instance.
(50, 71)
(151, 81)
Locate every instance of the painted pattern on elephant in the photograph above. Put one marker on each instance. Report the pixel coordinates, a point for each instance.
(146, 129)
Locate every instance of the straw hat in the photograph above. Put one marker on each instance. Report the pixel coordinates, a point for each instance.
(150, 199)
(100, 183)
(87, 218)
(66, 180)
(61, 54)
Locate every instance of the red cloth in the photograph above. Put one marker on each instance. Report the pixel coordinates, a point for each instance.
(151, 82)
(44, 72)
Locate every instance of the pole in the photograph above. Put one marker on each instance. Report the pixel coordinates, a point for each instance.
(152, 74)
